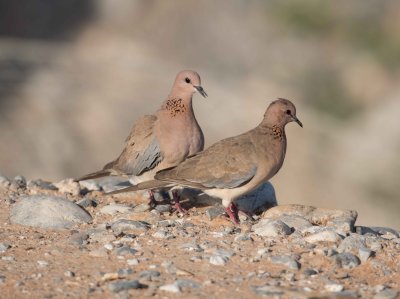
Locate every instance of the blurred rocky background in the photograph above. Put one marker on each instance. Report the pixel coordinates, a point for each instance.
(76, 74)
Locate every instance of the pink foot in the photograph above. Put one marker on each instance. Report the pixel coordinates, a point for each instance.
(232, 212)
(152, 200)
(177, 204)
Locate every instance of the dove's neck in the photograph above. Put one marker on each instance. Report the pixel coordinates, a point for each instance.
(178, 105)
(276, 131)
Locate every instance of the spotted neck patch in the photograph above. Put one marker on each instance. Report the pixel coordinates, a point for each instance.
(277, 132)
(175, 106)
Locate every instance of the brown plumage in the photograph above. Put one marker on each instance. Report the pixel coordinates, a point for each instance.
(161, 140)
(235, 166)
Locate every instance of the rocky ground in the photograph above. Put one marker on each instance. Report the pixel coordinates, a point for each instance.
(70, 240)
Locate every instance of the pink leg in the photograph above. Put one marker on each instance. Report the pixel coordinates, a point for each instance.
(177, 204)
(152, 200)
(232, 212)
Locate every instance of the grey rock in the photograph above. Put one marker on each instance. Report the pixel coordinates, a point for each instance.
(68, 186)
(341, 220)
(218, 260)
(268, 290)
(386, 230)
(364, 254)
(7, 258)
(79, 238)
(352, 243)
(296, 222)
(48, 212)
(310, 272)
(286, 261)
(87, 202)
(149, 274)
(163, 208)
(119, 286)
(172, 288)
(215, 212)
(132, 262)
(114, 208)
(160, 234)
(90, 185)
(187, 283)
(323, 236)
(4, 182)
(124, 272)
(19, 181)
(347, 260)
(191, 247)
(387, 294)
(243, 237)
(69, 273)
(166, 223)
(143, 207)
(40, 184)
(124, 251)
(271, 228)
(127, 226)
(4, 247)
(258, 200)
(334, 287)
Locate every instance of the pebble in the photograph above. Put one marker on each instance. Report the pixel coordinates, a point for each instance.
(187, 283)
(149, 274)
(119, 286)
(285, 260)
(124, 250)
(268, 290)
(163, 208)
(324, 236)
(132, 262)
(143, 207)
(90, 185)
(214, 212)
(79, 238)
(125, 226)
(387, 294)
(347, 260)
(271, 228)
(8, 258)
(68, 186)
(19, 181)
(218, 260)
(69, 273)
(364, 254)
(43, 263)
(334, 287)
(115, 208)
(87, 202)
(48, 212)
(4, 182)
(172, 288)
(163, 235)
(4, 247)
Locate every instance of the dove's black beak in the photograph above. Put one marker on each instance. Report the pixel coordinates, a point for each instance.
(297, 120)
(201, 90)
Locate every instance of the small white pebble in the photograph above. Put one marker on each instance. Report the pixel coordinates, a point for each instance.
(334, 287)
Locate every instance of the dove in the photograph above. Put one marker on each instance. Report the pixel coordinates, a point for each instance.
(161, 140)
(237, 165)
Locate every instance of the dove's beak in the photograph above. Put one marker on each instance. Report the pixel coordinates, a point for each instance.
(201, 90)
(297, 120)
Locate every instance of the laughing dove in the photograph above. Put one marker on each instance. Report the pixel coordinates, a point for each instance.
(161, 140)
(234, 166)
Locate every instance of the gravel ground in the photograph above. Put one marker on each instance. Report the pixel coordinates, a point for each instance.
(70, 240)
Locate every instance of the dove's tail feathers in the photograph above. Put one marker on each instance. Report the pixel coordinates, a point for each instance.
(142, 186)
(94, 175)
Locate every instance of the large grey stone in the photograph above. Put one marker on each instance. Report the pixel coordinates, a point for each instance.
(342, 220)
(259, 200)
(48, 212)
(271, 228)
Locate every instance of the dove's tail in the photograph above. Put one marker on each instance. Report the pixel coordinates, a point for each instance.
(94, 175)
(142, 186)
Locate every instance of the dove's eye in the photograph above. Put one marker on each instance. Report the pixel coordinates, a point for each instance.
(288, 112)
(187, 80)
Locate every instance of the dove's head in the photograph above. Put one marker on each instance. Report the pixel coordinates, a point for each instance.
(187, 83)
(281, 112)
